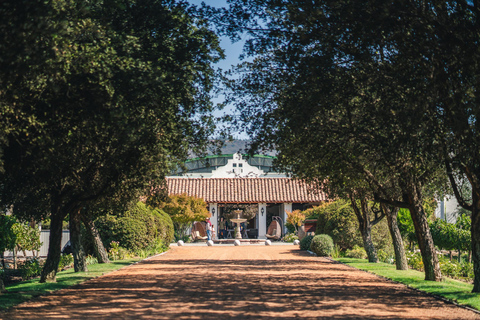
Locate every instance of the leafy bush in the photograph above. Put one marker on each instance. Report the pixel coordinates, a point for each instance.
(384, 256)
(322, 245)
(357, 252)
(91, 260)
(466, 270)
(414, 260)
(336, 253)
(305, 243)
(290, 237)
(28, 238)
(66, 260)
(31, 268)
(164, 225)
(454, 269)
(136, 229)
(117, 252)
(338, 220)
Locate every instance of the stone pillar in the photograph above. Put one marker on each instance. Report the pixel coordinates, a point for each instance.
(213, 208)
(283, 215)
(262, 220)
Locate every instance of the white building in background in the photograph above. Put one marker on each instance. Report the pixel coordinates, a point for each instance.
(234, 179)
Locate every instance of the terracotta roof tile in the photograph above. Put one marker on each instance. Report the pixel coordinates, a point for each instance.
(246, 190)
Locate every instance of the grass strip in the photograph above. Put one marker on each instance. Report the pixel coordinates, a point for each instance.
(26, 290)
(453, 290)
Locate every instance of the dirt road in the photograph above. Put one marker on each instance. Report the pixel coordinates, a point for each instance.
(245, 282)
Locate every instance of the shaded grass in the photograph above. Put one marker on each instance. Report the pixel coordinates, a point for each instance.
(26, 290)
(454, 290)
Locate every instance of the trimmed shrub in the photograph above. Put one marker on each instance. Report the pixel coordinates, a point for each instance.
(164, 225)
(305, 243)
(338, 220)
(322, 245)
(138, 229)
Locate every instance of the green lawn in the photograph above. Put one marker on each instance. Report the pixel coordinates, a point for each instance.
(451, 289)
(26, 290)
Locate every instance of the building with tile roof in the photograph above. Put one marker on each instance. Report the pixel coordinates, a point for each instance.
(233, 180)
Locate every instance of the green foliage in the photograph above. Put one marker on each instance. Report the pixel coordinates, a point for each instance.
(356, 252)
(31, 268)
(28, 238)
(322, 245)
(91, 260)
(449, 236)
(137, 228)
(405, 224)
(290, 227)
(414, 260)
(184, 210)
(305, 242)
(295, 218)
(66, 260)
(336, 253)
(8, 238)
(385, 257)
(108, 97)
(338, 221)
(457, 270)
(290, 237)
(116, 252)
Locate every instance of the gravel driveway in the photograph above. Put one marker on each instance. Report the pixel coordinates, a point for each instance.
(244, 282)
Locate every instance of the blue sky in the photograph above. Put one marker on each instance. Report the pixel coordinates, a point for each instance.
(232, 53)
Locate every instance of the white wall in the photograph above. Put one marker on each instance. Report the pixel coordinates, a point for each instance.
(213, 208)
(283, 214)
(237, 168)
(262, 221)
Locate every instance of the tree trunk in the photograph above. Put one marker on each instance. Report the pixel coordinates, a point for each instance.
(368, 243)
(2, 286)
(400, 257)
(50, 267)
(100, 252)
(476, 241)
(15, 264)
(422, 231)
(365, 226)
(79, 256)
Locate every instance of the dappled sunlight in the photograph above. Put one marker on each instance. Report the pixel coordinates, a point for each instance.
(277, 285)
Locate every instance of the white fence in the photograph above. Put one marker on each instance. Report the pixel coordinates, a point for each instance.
(44, 238)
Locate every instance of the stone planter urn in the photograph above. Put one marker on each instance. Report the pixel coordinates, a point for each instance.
(301, 232)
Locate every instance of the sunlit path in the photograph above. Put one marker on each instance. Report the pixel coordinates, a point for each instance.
(245, 282)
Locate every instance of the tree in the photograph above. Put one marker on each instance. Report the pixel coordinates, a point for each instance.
(324, 90)
(120, 98)
(295, 218)
(7, 239)
(27, 238)
(185, 209)
(363, 211)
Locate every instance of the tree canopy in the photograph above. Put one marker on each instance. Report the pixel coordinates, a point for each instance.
(120, 95)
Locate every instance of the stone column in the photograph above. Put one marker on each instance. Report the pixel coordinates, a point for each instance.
(262, 220)
(213, 208)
